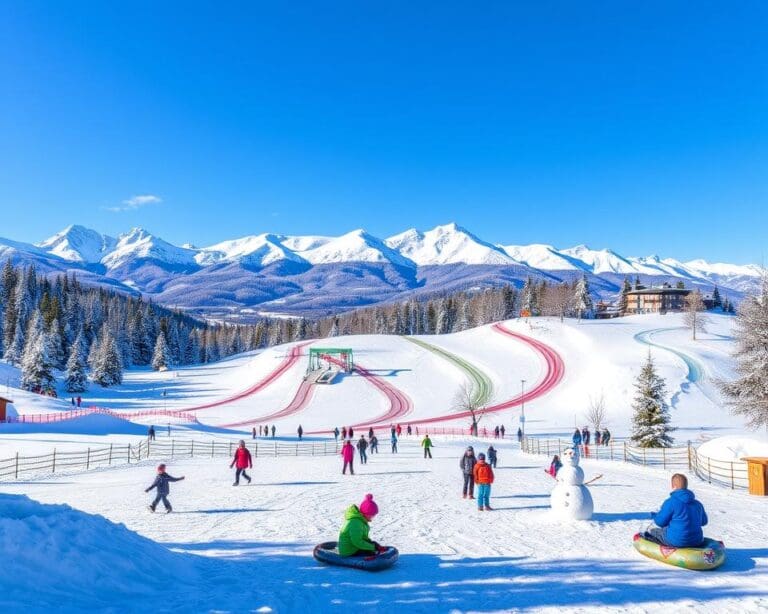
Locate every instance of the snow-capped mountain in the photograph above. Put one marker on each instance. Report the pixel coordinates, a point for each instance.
(449, 244)
(79, 244)
(318, 274)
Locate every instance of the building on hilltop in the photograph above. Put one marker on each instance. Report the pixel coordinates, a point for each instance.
(663, 299)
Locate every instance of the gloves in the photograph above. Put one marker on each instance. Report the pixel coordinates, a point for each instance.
(381, 549)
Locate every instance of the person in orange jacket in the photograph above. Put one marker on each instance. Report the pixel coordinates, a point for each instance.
(483, 479)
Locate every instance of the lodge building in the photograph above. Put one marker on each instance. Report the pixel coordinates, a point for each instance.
(656, 300)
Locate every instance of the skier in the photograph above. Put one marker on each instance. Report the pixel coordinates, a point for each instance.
(273, 431)
(336, 434)
(300, 431)
(350, 432)
(585, 439)
(467, 464)
(79, 401)
(353, 537)
(243, 461)
(392, 430)
(73, 402)
(409, 431)
(362, 446)
(483, 478)
(394, 443)
(519, 435)
(426, 443)
(162, 483)
(502, 430)
(606, 437)
(151, 433)
(343, 433)
(253, 433)
(169, 429)
(399, 431)
(597, 437)
(492, 456)
(370, 433)
(374, 444)
(554, 466)
(680, 520)
(496, 432)
(348, 455)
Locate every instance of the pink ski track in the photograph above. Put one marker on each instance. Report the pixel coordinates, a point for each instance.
(399, 402)
(300, 400)
(555, 370)
(185, 414)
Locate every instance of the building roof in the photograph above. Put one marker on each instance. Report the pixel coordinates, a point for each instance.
(681, 291)
(6, 400)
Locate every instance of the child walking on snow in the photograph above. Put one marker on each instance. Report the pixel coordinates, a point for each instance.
(162, 483)
(483, 479)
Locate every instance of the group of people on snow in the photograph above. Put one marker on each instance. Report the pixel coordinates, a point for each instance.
(263, 431)
(478, 471)
(583, 438)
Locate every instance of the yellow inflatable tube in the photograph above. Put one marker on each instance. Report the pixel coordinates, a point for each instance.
(710, 555)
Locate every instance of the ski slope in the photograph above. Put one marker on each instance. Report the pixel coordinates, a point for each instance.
(249, 548)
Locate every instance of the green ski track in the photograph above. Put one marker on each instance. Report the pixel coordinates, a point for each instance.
(482, 387)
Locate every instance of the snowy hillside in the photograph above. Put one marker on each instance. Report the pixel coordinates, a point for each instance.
(315, 275)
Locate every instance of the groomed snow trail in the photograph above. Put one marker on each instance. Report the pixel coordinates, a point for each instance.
(553, 374)
(300, 400)
(482, 386)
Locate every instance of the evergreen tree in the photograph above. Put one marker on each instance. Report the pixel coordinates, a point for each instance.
(108, 370)
(626, 288)
(36, 362)
(651, 420)
(582, 301)
(14, 351)
(680, 285)
(747, 395)
(75, 378)
(161, 358)
(717, 301)
(638, 285)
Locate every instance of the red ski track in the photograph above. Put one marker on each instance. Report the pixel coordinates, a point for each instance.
(555, 372)
(287, 363)
(399, 402)
(300, 400)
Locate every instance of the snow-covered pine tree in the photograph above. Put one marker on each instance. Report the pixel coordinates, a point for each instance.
(651, 419)
(747, 395)
(582, 301)
(107, 370)
(717, 300)
(14, 351)
(75, 378)
(161, 358)
(334, 331)
(36, 362)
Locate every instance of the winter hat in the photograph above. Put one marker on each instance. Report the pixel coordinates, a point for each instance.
(481, 456)
(161, 467)
(368, 507)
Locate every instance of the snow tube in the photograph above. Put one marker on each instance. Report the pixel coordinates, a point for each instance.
(710, 555)
(327, 553)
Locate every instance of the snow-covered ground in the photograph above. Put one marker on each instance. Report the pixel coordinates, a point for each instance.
(249, 548)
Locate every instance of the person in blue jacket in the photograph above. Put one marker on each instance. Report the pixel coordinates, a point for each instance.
(680, 520)
(576, 438)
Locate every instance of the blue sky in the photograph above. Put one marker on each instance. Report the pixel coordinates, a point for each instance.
(637, 126)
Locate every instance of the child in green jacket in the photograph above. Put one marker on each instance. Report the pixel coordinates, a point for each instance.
(353, 538)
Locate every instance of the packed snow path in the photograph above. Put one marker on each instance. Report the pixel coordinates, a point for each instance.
(256, 541)
(482, 387)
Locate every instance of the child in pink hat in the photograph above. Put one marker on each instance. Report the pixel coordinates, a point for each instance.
(353, 538)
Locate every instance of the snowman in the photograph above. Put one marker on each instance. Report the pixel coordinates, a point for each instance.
(570, 499)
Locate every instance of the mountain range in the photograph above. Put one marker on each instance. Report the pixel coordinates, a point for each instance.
(317, 275)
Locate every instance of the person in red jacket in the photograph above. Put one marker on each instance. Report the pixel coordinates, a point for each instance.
(243, 461)
(348, 454)
(483, 480)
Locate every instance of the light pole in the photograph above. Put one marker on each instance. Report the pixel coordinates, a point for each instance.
(522, 405)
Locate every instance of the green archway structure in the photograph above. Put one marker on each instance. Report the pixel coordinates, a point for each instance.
(317, 355)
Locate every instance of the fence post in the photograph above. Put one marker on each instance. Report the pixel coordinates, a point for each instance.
(690, 465)
(53, 469)
(644, 455)
(709, 470)
(732, 482)
(16, 476)
(129, 454)
(547, 447)
(88, 460)
(664, 458)
(173, 442)
(230, 448)
(110, 454)
(625, 451)
(297, 449)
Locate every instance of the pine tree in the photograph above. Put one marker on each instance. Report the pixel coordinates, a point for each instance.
(161, 358)
(717, 300)
(582, 301)
(747, 395)
(16, 348)
(626, 288)
(108, 370)
(638, 285)
(680, 285)
(651, 420)
(75, 378)
(36, 362)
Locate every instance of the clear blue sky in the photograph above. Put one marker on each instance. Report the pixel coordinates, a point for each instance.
(637, 126)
